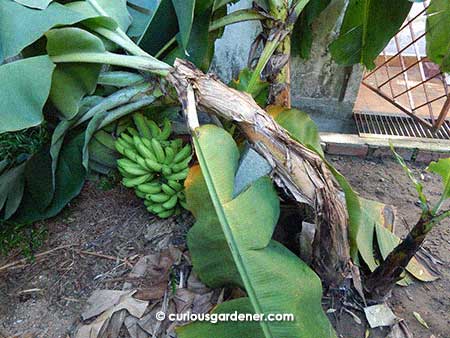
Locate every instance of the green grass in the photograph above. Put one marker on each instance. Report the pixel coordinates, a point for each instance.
(24, 238)
(15, 148)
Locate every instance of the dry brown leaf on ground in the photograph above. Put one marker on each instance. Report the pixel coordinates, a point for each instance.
(195, 298)
(153, 269)
(150, 289)
(106, 303)
(400, 330)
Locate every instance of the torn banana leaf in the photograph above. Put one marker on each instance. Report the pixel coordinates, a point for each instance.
(372, 213)
(231, 244)
(299, 125)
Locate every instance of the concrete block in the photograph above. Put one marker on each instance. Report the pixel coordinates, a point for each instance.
(359, 150)
(386, 152)
(424, 156)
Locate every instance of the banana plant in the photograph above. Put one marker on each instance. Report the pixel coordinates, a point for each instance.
(58, 77)
(384, 277)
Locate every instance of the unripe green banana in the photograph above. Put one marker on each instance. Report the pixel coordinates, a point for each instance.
(147, 202)
(147, 143)
(183, 153)
(132, 182)
(141, 124)
(175, 185)
(176, 144)
(154, 128)
(181, 196)
(151, 209)
(159, 198)
(120, 148)
(141, 161)
(149, 188)
(121, 145)
(170, 155)
(156, 208)
(131, 154)
(165, 214)
(145, 156)
(184, 204)
(132, 131)
(124, 162)
(153, 165)
(166, 171)
(124, 173)
(142, 149)
(181, 165)
(168, 190)
(178, 176)
(139, 194)
(170, 204)
(132, 168)
(127, 138)
(158, 150)
(166, 131)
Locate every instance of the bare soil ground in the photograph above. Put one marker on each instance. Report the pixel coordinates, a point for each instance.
(103, 232)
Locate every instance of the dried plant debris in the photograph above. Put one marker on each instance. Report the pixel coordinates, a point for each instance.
(420, 319)
(105, 304)
(400, 330)
(158, 285)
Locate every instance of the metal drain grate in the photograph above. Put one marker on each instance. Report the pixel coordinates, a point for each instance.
(394, 126)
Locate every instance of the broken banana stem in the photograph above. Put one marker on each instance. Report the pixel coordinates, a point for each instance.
(301, 172)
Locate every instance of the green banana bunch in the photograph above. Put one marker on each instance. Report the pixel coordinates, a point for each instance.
(153, 165)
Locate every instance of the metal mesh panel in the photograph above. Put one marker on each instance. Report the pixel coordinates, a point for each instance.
(407, 79)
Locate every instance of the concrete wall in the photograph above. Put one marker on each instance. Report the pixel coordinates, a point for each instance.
(231, 51)
(322, 88)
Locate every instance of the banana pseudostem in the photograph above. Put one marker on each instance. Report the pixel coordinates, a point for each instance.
(297, 169)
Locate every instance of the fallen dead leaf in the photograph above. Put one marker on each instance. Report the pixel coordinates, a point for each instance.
(106, 303)
(420, 319)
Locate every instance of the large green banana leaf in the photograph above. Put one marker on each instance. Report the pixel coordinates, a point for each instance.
(20, 26)
(438, 33)
(442, 168)
(69, 179)
(24, 89)
(367, 28)
(231, 244)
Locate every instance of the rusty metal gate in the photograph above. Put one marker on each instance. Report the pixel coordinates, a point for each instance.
(407, 79)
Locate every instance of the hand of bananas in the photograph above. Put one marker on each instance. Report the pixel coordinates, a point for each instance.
(154, 165)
